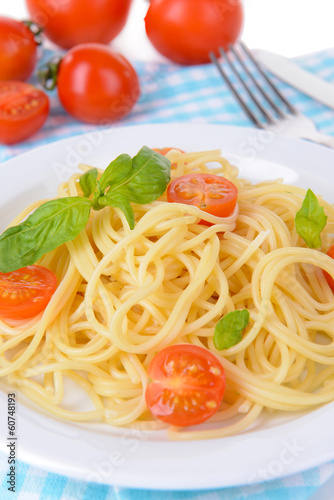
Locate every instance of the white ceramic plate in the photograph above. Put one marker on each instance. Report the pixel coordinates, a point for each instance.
(277, 445)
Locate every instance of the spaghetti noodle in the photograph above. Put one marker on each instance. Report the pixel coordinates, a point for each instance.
(125, 294)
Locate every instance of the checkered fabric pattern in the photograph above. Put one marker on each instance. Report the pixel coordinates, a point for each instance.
(171, 93)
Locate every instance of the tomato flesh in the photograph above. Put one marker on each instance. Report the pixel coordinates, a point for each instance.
(186, 385)
(26, 292)
(211, 193)
(328, 277)
(18, 50)
(164, 151)
(23, 111)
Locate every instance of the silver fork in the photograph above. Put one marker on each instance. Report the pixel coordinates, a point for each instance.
(263, 103)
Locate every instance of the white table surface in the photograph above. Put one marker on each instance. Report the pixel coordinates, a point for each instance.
(288, 27)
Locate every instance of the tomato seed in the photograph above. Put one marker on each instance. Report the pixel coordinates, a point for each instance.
(215, 371)
(211, 404)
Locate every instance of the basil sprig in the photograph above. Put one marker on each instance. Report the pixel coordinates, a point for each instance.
(88, 182)
(310, 220)
(50, 225)
(140, 180)
(228, 330)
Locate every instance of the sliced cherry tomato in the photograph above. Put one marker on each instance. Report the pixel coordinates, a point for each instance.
(96, 84)
(23, 111)
(211, 193)
(186, 31)
(18, 50)
(164, 151)
(186, 385)
(328, 277)
(26, 292)
(70, 22)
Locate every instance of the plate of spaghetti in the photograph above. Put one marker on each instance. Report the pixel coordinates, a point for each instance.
(167, 307)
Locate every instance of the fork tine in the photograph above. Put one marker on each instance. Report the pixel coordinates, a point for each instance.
(265, 113)
(250, 75)
(246, 50)
(230, 85)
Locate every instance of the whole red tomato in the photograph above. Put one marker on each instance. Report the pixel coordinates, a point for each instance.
(70, 22)
(18, 50)
(185, 31)
(96, 84)
(23, 111)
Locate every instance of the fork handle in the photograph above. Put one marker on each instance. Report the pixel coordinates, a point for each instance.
(324, 139)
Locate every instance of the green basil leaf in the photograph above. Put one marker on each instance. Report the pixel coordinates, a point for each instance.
(310, 220)
(50, 225)
(228, 330)
(117, 172)
(119, 201)
(88, 182)
(148, 179)
(140, 180)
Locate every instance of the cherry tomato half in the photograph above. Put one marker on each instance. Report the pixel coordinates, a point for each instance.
(96, 84)
(164, 151)
(328, 277)
(26, 292)
(23, 111)
(70, 22)
(18, 50)
(185, 31)
(211, 193)
(186, 385)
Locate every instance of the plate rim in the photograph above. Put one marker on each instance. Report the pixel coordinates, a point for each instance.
(164, 481)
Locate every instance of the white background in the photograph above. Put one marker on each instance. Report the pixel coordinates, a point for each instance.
(289, 27)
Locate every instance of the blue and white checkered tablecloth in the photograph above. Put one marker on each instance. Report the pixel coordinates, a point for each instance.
(189, 94)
